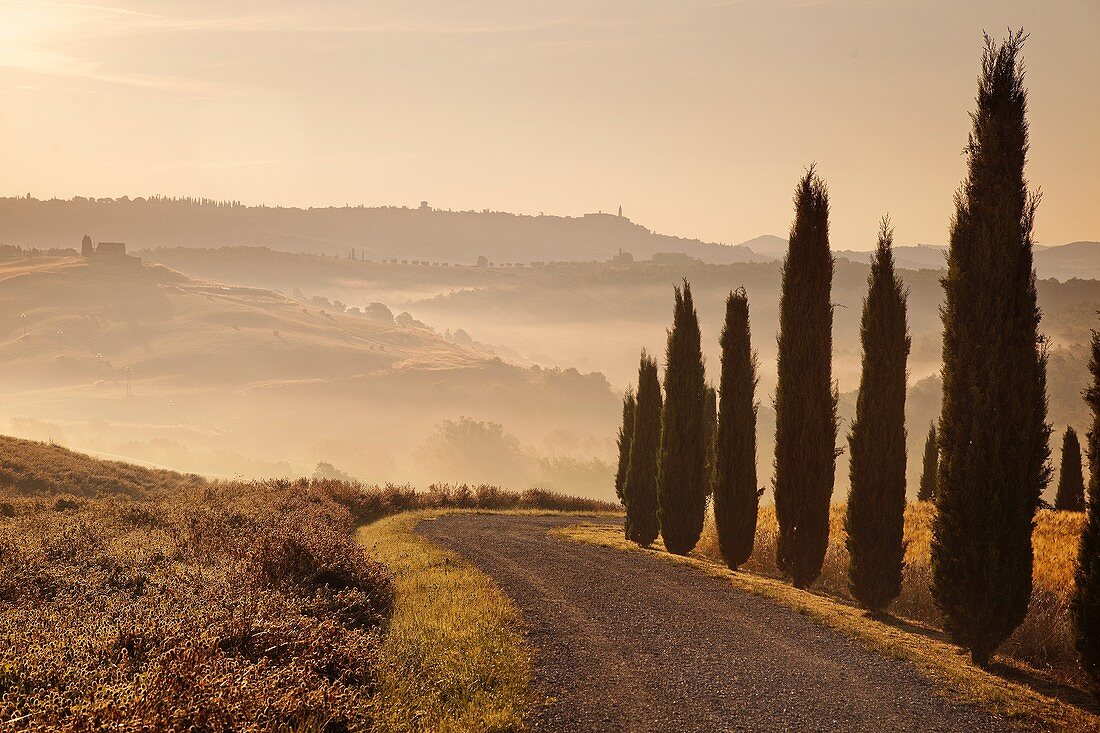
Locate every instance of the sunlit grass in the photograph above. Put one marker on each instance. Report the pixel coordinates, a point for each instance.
(453, 658)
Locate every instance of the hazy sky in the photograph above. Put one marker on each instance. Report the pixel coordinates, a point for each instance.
(697, 116)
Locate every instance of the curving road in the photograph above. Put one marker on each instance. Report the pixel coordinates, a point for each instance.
(630, 642)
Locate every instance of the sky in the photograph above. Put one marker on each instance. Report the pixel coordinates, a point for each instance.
(696, 116)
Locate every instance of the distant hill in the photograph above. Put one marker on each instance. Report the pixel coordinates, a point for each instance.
(457, 237)
(1080, 260)
(145, 363)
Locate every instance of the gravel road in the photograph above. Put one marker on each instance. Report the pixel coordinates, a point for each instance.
(630, 642)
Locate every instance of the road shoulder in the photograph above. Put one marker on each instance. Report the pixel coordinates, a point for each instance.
(923, 647)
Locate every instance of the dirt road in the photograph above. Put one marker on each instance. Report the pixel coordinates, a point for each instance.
(630, 642)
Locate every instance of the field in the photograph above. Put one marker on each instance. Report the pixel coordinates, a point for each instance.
(143, 599)
(1043, 642)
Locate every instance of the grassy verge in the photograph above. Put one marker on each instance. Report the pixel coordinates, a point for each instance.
(922, 646)
(453, 658)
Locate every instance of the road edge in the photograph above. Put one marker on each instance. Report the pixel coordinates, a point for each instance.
(939, 661)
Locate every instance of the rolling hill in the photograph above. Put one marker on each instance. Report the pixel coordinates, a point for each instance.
(146, 363)
(374, 233)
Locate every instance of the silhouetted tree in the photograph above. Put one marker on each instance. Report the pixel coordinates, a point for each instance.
(640, 488)
(927, 489)
(1071, 482)
(805, 398)
(1085, 606)
(994, 438)
(682, 462)
(876, 500)
(736, 496)
(626, 433)
(710, 420)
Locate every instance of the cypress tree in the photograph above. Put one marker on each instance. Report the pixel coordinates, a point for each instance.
(805, 397)
(640, 487)
(626, 434)
(736, 497)
(876, 500)
(994, 438)
(710, 420)
(1071, 483)
(682, 463)
(927, 490)
(1085, 606)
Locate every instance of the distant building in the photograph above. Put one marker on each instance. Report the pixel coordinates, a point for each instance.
(622, 258)
(424, 206)
(106, 252)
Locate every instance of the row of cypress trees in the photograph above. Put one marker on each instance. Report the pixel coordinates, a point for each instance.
(986, 463)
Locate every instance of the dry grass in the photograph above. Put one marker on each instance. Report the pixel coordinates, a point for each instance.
(1035, 706)
(135, 599)
(1044, 642)
(453, 659)
(233, 607)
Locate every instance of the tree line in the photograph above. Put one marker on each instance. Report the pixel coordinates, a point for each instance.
(986, 461)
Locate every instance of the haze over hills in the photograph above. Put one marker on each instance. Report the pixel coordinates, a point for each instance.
(424, 234)
(596, 316)
(144, 362)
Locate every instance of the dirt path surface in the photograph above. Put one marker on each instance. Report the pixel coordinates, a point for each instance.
(628, 642)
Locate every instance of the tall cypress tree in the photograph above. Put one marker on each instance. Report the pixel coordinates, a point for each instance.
(927, 490)
(626, 434)
(640, 487)
(805, 397)
(1085, 606)
(994, 438)
(1071, 482)
(736, 497)
(876, 500)
(681, 466)
(710, 421)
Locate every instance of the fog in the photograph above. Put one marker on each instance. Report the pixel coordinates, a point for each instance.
(252, 362)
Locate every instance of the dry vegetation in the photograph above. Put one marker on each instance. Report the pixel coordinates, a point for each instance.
(1043, 642)
(147, 600)
(453, 658)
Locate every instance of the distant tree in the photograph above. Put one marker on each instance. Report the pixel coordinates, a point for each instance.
(1085, 606)
(640, 487)
(927, 490)
(626, 433)
(876, 500)
(682, 462)
(805, 397)
(736, 496)
(993, 434)
(710, 422)
(1071, 482)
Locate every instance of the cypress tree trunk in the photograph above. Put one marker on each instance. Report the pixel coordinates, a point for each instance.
(736, 496)
(805, 398)
(640, 487)
(876, 501)
(1071, 482)
(626, 434)
(1085, 606)
(927, 490)
(682, 463)
(994, 438)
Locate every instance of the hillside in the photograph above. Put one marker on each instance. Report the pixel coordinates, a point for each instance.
(597, 315)
(458, 237)
(202, 376)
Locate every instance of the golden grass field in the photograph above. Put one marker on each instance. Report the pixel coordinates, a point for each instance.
(1044, 641)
